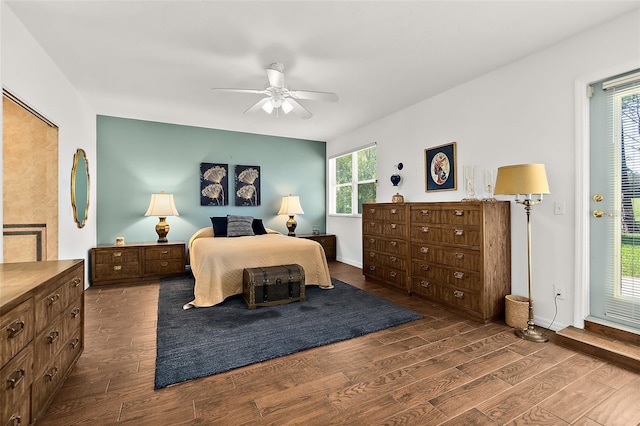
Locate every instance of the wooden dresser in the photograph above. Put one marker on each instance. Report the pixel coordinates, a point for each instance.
(42, 318)
(454, 253)
(111, 264)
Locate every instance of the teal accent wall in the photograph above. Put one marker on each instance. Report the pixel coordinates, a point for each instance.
(137, 158)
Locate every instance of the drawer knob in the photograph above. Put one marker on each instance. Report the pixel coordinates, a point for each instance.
(394, 211)
(459, 294)
(51, 373)
(164, 264)
(117, 267)
(458, 275)
(372, 240)
(75, 312)
(458, 232)
(75, 282)
(51, 300)
(424, 267)
(458, 255)
(372, 224)
(393, 243)
(372, 268)
(14, 420)
(74, 343)
(459, 212)
(425, 284)
(424, 249)
(424, 212)
(14, 329)
(393, 226)
(372, 211)
(393, 259)
(424, 229)
(14, 379)
(164, 252)
(117, 254)
(372, 254)
(53, 336)
(393, 274)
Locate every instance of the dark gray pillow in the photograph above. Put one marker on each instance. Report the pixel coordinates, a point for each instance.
(258, 227)
(239, 226)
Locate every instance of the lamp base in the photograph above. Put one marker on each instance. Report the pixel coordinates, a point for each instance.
(162, 229)
(531, 335)
(291, 226)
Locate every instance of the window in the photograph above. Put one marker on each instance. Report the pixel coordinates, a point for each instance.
(353, 181)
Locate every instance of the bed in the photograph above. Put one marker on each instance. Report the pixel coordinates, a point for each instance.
(217, 263)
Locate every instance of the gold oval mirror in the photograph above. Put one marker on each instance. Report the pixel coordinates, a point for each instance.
(80, 187)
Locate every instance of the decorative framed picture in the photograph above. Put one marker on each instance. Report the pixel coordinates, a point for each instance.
(440, 168)
(214, 184)
(247, 185)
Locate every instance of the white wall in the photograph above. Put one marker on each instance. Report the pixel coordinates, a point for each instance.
(29, 73)
(521, 113)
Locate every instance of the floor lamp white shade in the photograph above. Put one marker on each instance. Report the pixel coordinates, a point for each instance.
(530, 182)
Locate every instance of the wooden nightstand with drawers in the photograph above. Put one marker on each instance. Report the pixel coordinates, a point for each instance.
(114, 264)
(327, 241)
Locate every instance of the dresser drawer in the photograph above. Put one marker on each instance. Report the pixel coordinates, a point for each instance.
(394, 229)
(47, 343)
(117, 272)
(459, 298)
(450, 256)
(116, 256)
(49, 304)
(387, 245)
(164, 253)
(373, 212)
(163, 267)
(390, 260)
(45, 382)
(445, 214)
(461, 236)
(444, 275)
(18, 328)
(373, 227)
(16, 378)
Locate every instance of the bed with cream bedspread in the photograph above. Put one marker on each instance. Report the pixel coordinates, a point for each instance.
(217, 263)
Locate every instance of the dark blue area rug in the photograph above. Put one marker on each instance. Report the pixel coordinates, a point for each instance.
(199, 342)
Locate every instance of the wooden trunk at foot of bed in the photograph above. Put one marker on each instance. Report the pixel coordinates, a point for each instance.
(273, 285)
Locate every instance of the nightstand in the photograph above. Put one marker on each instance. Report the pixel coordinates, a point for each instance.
(114, 264)
(327, 241)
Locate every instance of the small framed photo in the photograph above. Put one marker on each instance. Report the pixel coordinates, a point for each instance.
(440, 168)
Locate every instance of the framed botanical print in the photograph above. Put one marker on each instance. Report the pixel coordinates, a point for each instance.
(214, 185)
(247, 180)
(440, 168)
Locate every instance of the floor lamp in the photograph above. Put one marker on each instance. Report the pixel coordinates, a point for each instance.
(528, 182)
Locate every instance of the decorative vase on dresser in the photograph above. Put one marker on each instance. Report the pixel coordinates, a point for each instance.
(42, 314)
(459, 252)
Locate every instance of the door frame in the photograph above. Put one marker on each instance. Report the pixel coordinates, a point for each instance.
(582, 188)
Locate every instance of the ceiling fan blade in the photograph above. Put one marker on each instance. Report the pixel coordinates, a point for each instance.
(276, 78)
(314, 96)
(254, 91)
(298, 109)
(258, 105)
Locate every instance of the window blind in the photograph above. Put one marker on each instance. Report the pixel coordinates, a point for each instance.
(622, 296)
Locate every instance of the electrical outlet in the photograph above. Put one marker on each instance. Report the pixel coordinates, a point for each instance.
(558, 292)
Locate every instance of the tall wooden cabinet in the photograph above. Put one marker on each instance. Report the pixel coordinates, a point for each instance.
(454, 253)
(42, 319)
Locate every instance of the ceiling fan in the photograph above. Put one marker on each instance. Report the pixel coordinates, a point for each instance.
(278, 97)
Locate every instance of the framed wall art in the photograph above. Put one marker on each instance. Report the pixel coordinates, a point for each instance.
(440, 168)
(247, 180)
(214, 184)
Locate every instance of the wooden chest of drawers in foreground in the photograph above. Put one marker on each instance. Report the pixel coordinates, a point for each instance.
(455, 253)
(111, 264)
(42, 319)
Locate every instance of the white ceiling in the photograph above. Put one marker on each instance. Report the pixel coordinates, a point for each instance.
(158, 60)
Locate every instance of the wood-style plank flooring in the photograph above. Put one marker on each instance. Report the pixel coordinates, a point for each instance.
(442, 369)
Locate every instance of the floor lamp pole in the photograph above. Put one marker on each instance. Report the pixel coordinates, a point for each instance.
(530, 332)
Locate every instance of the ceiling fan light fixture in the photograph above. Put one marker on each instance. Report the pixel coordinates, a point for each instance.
(286, 106)
(267, 107)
